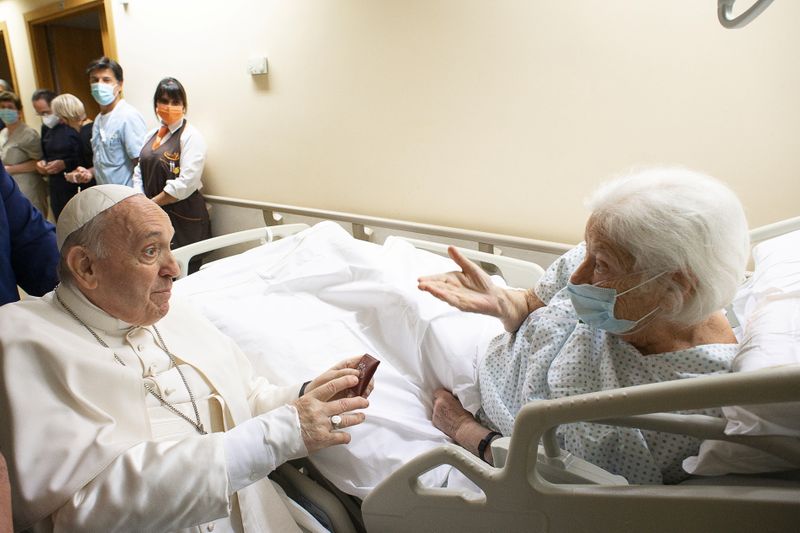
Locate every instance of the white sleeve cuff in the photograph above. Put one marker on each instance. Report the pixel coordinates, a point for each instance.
(256, 447)
(178, 190)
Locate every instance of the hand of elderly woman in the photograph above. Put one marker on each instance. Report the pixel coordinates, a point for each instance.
(318, 409)
(472, 290)
(450, 417)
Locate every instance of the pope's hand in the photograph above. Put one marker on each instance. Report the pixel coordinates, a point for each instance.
(317, 407)
(348, 367)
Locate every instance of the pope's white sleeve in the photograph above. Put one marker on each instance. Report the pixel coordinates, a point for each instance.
(258, 446)
(154, 486)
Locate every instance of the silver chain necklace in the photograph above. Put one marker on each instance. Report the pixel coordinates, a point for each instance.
(198, 425)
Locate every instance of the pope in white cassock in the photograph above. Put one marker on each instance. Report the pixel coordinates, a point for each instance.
(123, 413)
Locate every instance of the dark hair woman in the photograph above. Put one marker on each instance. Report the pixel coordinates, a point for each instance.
(171, 166)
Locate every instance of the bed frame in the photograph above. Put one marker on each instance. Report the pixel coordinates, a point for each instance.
(542, 488)
(518, 497)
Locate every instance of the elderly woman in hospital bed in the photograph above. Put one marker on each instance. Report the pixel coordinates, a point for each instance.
(639, 302)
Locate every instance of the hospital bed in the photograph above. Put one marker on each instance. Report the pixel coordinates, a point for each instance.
(533, 487)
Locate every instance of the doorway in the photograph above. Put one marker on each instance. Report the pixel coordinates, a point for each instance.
(7, 71)
(64, 41)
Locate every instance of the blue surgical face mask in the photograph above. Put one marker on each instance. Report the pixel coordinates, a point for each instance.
(595, 306)
(103, 93)
(9, 116)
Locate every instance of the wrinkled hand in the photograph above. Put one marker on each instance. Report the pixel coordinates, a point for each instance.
(316, 408)
(449, 416)
(55, 166)
(342, 368)
(470, 290)
(457, 423)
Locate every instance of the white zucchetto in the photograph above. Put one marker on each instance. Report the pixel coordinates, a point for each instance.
(86, 205)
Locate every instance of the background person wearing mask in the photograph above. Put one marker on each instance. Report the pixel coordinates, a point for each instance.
(70, 110)
(61, 153)
(41, 103)
(171, 165)
(20, 149)
(118, 129)
(4, 86)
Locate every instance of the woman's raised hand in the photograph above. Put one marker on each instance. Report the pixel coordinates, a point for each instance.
(470, 290)
(473, 291)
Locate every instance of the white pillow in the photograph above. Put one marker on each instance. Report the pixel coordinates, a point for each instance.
(768, 309)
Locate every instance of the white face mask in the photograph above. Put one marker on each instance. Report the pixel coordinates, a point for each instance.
(51, 121)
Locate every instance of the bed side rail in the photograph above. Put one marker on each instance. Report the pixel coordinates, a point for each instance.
(516, 272)
(517, 498)
(769, 231)
(266, 234)
(360, 226)
(780, 384)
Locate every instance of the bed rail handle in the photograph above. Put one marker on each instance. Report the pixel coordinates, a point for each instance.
(265, 234)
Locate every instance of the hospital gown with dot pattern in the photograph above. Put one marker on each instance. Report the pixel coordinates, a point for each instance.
(554, 355)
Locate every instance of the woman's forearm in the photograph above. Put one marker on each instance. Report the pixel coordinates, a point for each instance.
(164, 198)
(25, 166)
(516, 305)
(470, 435)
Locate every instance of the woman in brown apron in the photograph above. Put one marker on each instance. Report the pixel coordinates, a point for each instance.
(171, 165)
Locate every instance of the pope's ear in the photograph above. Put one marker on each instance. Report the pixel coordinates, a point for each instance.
(82, 264)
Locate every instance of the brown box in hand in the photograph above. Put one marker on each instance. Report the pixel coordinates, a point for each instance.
(366, 367)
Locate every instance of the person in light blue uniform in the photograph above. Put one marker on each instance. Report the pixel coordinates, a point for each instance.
(638, 302)
(118, 131)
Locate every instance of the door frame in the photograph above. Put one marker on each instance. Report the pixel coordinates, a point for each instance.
(7, 42)
(37, 38)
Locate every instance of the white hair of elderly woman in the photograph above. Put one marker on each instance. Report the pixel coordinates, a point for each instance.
(678, 220)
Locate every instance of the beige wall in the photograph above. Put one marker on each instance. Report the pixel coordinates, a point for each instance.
(493, 115)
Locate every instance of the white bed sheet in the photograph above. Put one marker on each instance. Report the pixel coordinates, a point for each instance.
(299, 305)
